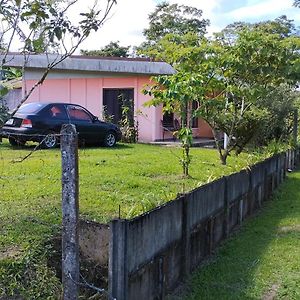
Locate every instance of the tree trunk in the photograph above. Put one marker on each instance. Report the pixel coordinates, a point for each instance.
(186, 160)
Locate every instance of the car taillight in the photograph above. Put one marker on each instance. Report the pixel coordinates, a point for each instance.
(26, 123)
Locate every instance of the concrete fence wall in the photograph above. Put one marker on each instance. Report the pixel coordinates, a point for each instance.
(150, 254)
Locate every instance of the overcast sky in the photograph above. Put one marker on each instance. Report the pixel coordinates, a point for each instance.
(130, 17)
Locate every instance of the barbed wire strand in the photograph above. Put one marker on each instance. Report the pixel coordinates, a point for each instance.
(91, 286)
(37, 147)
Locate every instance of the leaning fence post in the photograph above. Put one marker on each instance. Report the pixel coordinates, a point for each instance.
(70, 248)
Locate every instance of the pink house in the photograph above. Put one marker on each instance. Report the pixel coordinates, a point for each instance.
(98, 83)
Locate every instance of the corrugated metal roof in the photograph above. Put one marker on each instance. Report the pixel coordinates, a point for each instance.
(77, 63)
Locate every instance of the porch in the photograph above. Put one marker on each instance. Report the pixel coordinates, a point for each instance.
(197, 142)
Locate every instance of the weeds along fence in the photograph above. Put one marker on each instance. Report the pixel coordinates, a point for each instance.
(150, 254)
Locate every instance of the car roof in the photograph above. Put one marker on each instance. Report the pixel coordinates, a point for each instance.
(44, 104)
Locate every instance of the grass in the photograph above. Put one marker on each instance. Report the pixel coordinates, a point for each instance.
(135, 178)
(262, 260)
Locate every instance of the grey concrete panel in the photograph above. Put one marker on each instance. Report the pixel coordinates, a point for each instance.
(152, 232)
(205, 201)
(237, 185)
(257, 174)
(271, 165)
(218, 229)
(199, 241)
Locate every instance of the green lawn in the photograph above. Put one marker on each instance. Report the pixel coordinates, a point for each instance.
(134, 177)
(262, 261)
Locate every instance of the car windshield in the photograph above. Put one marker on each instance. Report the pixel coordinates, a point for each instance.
(30, 108)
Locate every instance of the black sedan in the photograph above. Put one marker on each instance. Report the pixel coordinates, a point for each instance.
(42, 122)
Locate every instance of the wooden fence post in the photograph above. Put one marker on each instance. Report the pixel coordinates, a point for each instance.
(70, 245)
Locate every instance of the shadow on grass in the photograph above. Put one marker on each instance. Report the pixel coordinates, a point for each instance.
(256, 262)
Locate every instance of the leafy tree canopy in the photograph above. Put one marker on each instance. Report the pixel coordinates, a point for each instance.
(174, 19)
(45, 26)
(112, 49)
(228, 80)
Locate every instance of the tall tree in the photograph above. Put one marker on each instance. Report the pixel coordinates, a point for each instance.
(45, 27)
(113, 49)
(173, 19)
(227, 79)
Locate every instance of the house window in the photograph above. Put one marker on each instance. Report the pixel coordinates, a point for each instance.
(114, 102)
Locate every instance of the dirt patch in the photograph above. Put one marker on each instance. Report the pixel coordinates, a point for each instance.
(290, 229)
(271, 293)
(11, 252)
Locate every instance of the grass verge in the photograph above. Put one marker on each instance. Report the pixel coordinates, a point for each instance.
(262, 260)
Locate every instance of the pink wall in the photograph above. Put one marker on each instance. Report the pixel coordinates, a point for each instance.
(88, 92)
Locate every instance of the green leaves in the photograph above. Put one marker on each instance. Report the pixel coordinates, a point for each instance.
(43, 25)
(112, 49)
(228, 76)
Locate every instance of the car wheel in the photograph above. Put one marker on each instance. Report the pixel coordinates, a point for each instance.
(50, 141)
(15, 142)
(110, 139)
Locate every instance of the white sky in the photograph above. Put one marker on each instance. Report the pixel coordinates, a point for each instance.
(130, 17)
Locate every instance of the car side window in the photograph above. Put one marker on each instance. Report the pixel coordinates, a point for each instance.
(78, 113)
(56, 112)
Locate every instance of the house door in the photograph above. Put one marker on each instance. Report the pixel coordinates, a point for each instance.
(116, 101)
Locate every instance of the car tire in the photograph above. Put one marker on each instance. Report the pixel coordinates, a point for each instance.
(110, 139)
(15, 142)
(50, 141)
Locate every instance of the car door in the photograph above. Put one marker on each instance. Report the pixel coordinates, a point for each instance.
(87, 129)
(52, 117)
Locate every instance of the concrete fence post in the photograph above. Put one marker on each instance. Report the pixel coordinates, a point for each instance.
(70, 244)
(295, 126)
(285, 165)
(278, 170)
(185, 239)
(240, 211)
(293, 159)
(226, 210)
(118, 272)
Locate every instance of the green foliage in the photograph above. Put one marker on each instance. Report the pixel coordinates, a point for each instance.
(106, 117)
(186, 137)
(44, 26)
(280, 102)
(176, 94)
(3, 112)
(29, 275)
(128, 126)
(230, 77)
(113, 49)
(173, 19)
